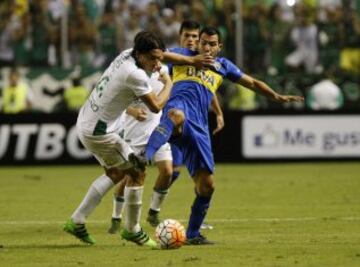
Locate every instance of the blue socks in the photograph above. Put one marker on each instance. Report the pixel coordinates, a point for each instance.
(159, 137)
(174, 177)
(198, 213)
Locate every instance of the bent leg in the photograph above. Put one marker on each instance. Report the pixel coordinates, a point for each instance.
(174, 120)
(95, 193)
(160, 191)
(118, 201)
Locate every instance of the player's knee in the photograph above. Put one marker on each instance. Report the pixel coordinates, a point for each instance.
(115, 174)
(166, 173)
(135, 178)
(206, 189)
(176, 116)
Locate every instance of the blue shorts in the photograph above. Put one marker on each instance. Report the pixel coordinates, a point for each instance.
(177, 155)
(195, 142)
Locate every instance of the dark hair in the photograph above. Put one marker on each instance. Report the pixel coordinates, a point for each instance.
(146, 41)
(211, 31)
(190, 25)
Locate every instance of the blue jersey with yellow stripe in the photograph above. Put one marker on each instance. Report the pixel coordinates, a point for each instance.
(200, 85)
(192, 93)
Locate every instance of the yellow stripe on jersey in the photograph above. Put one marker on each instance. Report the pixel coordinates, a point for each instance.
(208, 78)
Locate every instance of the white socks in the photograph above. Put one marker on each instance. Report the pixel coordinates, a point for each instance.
(157, 199)
(133, 201)
(92, 198)
(118, 205)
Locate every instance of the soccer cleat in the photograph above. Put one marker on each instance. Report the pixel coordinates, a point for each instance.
(206, 226)
(115, 226)
(140, 238)
(153, 218)
(79, 231)
(199, 240)
(137, 163)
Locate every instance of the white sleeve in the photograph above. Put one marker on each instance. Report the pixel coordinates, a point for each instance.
(138, 81)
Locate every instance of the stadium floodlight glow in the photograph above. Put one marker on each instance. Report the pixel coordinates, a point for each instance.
(290, 2)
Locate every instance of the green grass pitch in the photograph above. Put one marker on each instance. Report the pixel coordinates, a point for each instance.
(263, 215)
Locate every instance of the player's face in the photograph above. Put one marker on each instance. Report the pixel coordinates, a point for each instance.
(209, 44)
(151, 61)
(189, 38)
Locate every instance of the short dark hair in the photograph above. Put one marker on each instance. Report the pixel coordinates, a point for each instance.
(146, 41)
(211, 31)
(190, 25)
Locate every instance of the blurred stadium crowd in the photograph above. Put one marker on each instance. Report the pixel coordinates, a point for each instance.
(294, 45)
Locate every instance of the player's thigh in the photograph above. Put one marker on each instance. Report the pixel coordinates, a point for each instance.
(163, 161)
(107, 149)
(163, 155)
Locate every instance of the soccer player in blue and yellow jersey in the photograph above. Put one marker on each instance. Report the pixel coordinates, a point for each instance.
(184, 122)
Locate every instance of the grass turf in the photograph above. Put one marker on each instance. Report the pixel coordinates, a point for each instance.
(263, 215)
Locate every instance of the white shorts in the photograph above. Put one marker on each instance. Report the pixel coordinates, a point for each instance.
(109, 149)
(164, 152)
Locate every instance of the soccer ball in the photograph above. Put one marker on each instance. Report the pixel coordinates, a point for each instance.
(170, 234)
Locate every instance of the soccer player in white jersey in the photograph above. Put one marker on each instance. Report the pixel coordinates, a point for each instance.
(139, 123)
(123, 81)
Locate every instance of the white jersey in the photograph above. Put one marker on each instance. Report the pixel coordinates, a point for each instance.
(119, 86)
(136, 132)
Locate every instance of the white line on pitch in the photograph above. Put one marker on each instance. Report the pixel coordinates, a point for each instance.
(238, 220)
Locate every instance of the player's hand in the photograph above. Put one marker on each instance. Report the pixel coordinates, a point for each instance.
(164, 78)
(139, 114)
(203, 60)
(289, 98)
(219, 124)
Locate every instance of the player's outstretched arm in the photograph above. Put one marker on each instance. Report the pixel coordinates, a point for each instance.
(198, 61)
(260, 87)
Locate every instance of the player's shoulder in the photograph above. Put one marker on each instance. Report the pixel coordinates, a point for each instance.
(227, 64)
(124, 57)
(130, 68)
(123, 64)
(137, 74)
(227, 68)
(224, 61)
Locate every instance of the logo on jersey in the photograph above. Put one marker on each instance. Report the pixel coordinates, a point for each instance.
(161, 130)
(216, 66)
(203, 75)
